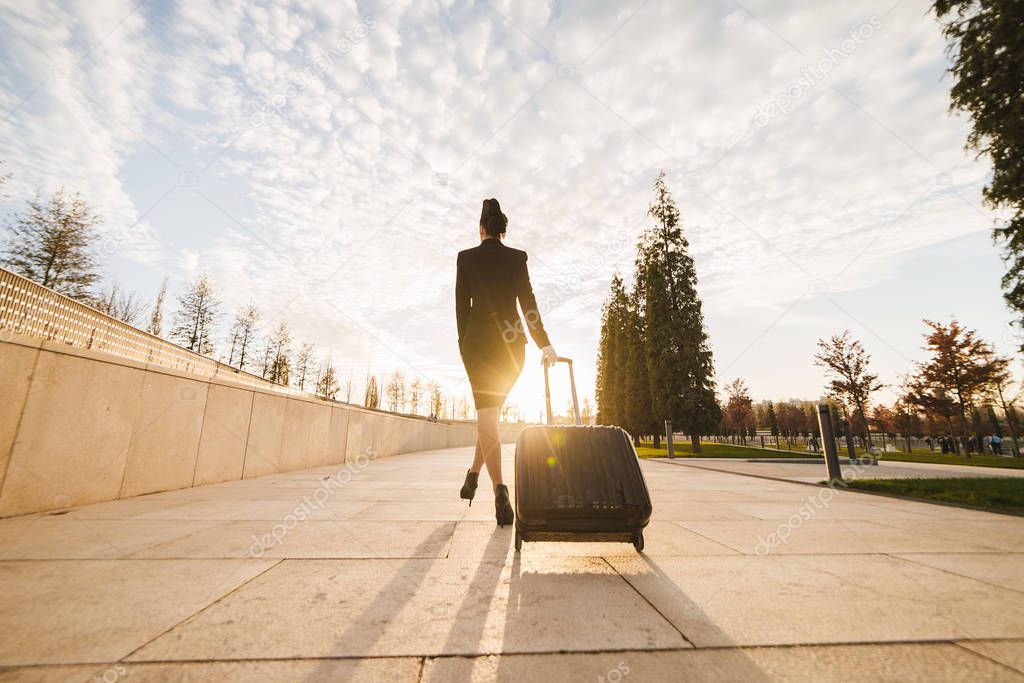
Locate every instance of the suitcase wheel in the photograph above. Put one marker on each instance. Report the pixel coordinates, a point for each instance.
(638, 541)
(519, 541)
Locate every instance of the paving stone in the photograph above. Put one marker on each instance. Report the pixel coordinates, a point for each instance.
(799, 534)
(69, 537)
(1003, 569)
(1007, 652)
(794, 599)
(292, 537)
(395, 567)
(824, 664)
(321, 608)
(348, 670)
(101, 610)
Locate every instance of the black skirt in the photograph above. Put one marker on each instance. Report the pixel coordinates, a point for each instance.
(492, 370)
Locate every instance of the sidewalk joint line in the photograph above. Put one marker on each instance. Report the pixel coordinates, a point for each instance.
(651, 604)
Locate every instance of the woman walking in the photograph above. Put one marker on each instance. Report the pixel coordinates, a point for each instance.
(490, 278)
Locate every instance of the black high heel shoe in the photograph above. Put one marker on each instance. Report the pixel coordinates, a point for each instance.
(469, 488)
(502, 507)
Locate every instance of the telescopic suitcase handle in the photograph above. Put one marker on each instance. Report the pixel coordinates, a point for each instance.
(572, 384)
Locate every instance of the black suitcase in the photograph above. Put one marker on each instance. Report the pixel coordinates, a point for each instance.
(578, 483)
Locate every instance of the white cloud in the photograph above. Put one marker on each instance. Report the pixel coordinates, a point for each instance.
(327, 168)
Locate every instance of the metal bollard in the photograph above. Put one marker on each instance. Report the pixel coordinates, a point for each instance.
(851, 450)
(828, 443)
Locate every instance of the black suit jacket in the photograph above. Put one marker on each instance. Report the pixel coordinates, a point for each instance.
(489, 279)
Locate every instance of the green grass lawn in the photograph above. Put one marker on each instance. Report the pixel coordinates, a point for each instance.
(938, 458)
(716, 450)
(998, 494)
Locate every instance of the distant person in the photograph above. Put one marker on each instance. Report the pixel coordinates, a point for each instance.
(812, 444)
(489, 279)
(997, 444)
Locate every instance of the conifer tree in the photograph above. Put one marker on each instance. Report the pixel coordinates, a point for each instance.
(612, 356)
(679, 361)
(637, 413)
(371, 397)
(773, 420)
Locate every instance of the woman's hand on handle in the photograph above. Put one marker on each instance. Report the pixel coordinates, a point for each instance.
(549, 357)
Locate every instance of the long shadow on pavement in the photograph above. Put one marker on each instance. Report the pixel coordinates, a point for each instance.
(367, 628)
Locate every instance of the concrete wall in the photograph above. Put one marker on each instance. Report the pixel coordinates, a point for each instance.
(79, 426)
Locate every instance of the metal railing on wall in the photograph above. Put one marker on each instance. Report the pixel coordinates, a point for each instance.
(30, 309)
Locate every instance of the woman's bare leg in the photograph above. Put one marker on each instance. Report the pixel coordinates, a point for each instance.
(488, 442)
(478, 457)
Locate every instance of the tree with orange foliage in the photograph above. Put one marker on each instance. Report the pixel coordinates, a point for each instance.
(962, 369)
(739, 408)
(792, 421)
(883, 418)
(905, 420)
(850, 381)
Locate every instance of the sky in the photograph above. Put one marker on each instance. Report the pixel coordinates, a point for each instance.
(328, 161)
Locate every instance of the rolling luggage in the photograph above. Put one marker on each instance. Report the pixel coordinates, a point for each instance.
(578, 483)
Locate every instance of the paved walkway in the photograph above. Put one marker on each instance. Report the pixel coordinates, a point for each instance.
(388, 577)
(814, 473)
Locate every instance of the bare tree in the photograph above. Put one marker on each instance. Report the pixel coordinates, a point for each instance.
(1000, 385)
(53, 244)
(268, 357)
(327, 382)
(195, 317)
(415, 396)
(280, 367)
(156, 316)
(304, 363)
(395, 392)
(850, 381)
(243, 335)
(4, 177)
(117, 303)
(436, 400)
(586, 412)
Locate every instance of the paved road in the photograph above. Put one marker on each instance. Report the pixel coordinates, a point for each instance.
(387, 576)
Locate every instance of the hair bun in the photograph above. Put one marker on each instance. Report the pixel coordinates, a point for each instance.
(492, 220)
